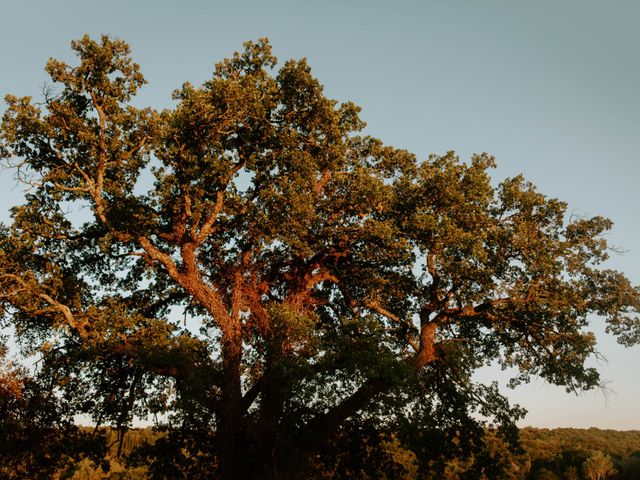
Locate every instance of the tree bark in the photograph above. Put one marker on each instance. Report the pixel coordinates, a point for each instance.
(271, 410)
(228, 429)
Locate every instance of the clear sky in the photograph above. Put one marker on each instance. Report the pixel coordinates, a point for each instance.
(550, 88)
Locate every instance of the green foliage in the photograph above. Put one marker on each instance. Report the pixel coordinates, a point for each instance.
(36, 437)
(284, 287)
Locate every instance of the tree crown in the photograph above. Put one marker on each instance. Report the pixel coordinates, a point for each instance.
(334, 277)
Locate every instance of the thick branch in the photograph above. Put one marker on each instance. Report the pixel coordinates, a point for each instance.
(207, 227)
(376, 307)
(321, 276)
(134, 149)
(324, 425)
(427, 351)
(251, 395)
(160, 257)
(102, 160)
(435, 277)
(191, 280)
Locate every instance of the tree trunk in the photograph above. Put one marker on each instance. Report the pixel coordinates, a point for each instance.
(229, 419)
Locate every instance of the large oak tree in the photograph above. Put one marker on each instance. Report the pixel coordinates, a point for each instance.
(275, 284)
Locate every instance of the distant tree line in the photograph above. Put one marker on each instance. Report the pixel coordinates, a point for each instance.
(541, 454)
(559, 452)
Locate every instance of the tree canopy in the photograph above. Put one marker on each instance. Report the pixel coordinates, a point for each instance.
(280, 288)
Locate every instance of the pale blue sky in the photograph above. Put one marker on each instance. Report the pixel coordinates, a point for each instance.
(550, 88)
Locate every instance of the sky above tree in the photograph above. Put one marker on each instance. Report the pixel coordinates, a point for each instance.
(549, 89)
